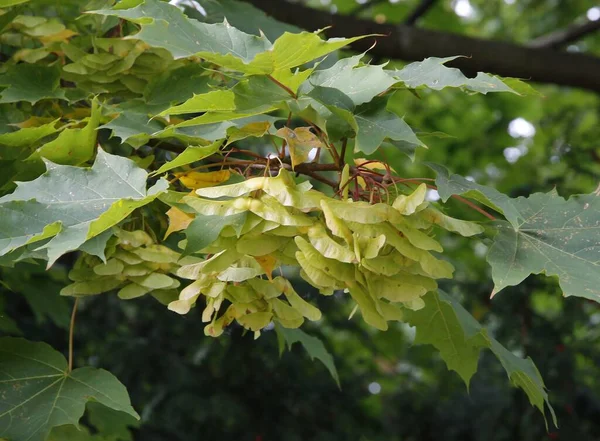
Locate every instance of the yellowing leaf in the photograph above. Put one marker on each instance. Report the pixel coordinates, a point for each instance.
(194, 180)
(63, 35)
(267, 263)
(300, 142)
(255, 129)
(178, 220)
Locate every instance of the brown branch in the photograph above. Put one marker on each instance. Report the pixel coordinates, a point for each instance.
(556, 39)
(419, 11)
(412, 43)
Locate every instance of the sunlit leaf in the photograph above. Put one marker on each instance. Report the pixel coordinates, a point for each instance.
(433, 74)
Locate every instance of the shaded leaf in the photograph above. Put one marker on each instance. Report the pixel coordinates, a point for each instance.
(314, 347)
(375, 124)
(31, 83)
(204, 230)
(445, 324)
(35, 381)
(176, 85)
(133, 128)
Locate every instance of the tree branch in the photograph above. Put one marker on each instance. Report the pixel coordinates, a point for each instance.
(419, 11)
(411, 43)
(562, 37)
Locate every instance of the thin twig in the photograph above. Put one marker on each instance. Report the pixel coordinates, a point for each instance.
(71, 329)
(561, 37)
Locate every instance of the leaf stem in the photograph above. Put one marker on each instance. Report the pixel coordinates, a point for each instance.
(473, 206)
(71, 329)
(283, 86)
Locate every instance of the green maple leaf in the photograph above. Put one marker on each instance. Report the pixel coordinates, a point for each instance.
(432, 73)
(73, 204)
(437, 324)
(133, 128)
(165, 26)
(376, 124)
(176, 85)
(39, 393)
(205, 229)
(31, 83)
(446, 325)
(557, 237)
(360, 84)
(545, 234)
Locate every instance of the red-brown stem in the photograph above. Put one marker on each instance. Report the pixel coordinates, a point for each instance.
(283, 86)
(473, 206)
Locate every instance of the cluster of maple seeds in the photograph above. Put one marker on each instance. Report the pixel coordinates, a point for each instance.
(378, 253)
(134, 264)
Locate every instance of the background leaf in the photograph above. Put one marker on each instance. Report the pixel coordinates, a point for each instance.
(35, 382)
(558, 237)
(313, 346)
